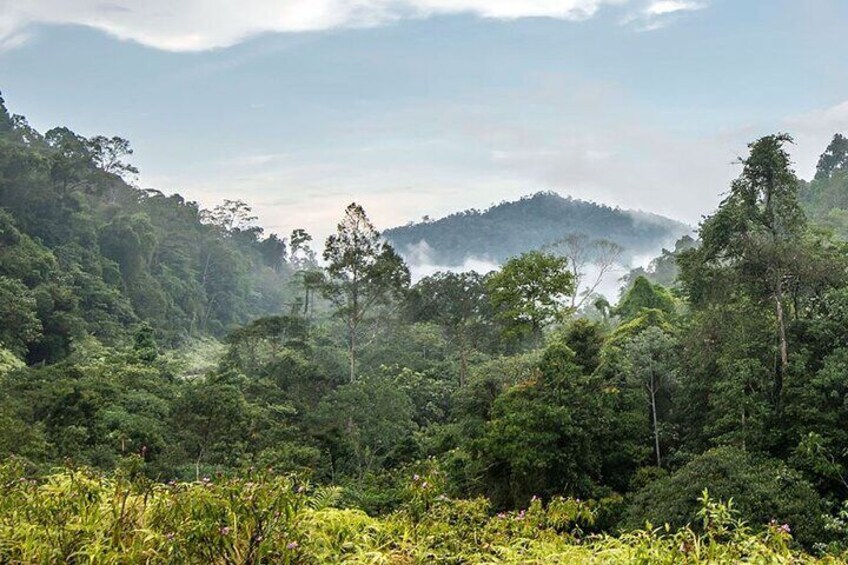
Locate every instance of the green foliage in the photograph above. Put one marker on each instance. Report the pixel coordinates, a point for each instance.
(530, 292)
(546, 435)
(76, 515)
(366, 425)
(762, 490)
(644, 295)
(363, 273)
(98, 254)
(148, 339)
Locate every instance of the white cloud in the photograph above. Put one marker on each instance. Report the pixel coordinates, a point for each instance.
(665, 7)
(196, 25)
(657, 14)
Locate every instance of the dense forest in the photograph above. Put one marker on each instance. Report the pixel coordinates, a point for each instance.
(175, 386)
(540, 220)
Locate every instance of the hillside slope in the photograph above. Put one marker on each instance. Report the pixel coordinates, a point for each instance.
(85, 253)
(511, 228)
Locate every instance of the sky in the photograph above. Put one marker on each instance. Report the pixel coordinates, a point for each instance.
(425, 107)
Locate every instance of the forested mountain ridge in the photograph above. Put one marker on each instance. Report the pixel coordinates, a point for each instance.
(86, 253)
(533, 222)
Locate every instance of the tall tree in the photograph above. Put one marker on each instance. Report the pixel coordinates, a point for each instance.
(650, 363)
(582, 253)
(834, 158)
(755, 239)
(531, 291)
(109, 154)
(363, 272)
(459, 304)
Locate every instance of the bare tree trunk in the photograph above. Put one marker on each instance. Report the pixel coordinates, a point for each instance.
(351, 353)
(653, 393)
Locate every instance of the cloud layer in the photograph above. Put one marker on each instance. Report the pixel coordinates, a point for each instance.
(196, 25)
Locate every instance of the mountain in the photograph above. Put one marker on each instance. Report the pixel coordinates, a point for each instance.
(511, 228)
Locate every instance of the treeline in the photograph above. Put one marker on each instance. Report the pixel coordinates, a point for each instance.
(729, 378)
(82, 252)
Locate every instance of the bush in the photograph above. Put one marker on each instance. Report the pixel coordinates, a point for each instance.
(762, 490)
(81, 516)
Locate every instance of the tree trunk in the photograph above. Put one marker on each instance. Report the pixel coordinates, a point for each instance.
(351, 353)
(653, 393)
(463, 358)
(784, 348)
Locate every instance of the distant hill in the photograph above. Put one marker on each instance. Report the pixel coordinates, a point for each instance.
(511, 228)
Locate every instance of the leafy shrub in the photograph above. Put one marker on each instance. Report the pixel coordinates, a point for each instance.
(762, 490)
(80, 516)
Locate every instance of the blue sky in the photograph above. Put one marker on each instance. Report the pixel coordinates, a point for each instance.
(417, 107)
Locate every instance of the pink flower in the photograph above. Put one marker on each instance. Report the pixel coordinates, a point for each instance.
(785, 529)
(225, 530)
(292, 545)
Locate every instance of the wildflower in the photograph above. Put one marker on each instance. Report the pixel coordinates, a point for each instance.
(301, 488)
(785, 529)
(534, 499)
(502, 515)
(415, 477)
(225, 530)
(205, 480)
(424, 484)
(169, 536)
(292, 545)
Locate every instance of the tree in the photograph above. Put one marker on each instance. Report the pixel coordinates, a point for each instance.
(835, 158)
(144, 344)
(230, 216)
(108, 154)
(531, 291)
(211, 419)
(545, 435)
(6, 124)
(586, 340)
(301, 255)
(19, 323)
(459, 303)
(363, 272)
(754, 241)
(762, 490)
(644, 295)
(582, 253)
(366, 424)
(308, 274)
(650, 363)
